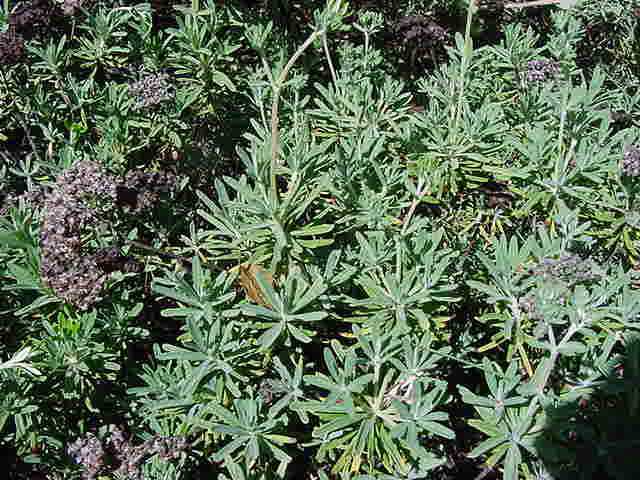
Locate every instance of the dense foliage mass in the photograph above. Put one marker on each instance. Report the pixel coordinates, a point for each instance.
(320, 240)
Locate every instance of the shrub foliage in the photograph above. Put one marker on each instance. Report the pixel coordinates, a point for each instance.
(321, 240)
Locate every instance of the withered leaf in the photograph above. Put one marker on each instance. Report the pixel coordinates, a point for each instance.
(249, 283)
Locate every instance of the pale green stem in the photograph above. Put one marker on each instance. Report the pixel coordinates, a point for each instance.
(534, 3)
(466, 56)
(325, 46)
(419, 194)
(277, 87)
(563, 118)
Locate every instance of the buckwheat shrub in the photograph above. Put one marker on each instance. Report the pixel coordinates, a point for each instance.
(141, 190)
(33, 17)
(70, 7)
(88, 452)
(11, 47)
(69, 209)
(32, 198)
(80, 194)
(124, 459)
(152, 90)
(132, 457)
(541, 70)
(420, 32)
(79, 197)
(631, 161)
(568, 269)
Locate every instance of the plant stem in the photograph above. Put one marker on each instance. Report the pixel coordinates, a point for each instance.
(277, 88)
(325, 46)
(534, 3)
(366, 49)
(419, 194)
(555, 354)
(563, 118)
(25, 127)
(466, 57)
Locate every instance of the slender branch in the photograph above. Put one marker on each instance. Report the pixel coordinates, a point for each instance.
(464, 64)
(157, 251)
(407, 219)
(486, 471)
(25, 127)
(185, 261)
(275, 141)
(277, 87)
(533, 3)
(555, 354)
(325, 46)
(265, 65)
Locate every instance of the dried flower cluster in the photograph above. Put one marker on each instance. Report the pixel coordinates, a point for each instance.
(89, 453)
(141, 190)
(542, 70)
(33, 17)
(152, 90)
(70, 208)
(32, 198)
(70, 7)
(270, 389)
(528, 305)
(30, 19)
(119, 455)
(81, 194)
(631, 161)
(568, 269)
(420, 32)
(11, 47)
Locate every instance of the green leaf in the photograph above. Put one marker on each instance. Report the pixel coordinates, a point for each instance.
(311, 230)
(320, 243)
(270, 336)
(567, 4)
(512, 463)
(486, 445)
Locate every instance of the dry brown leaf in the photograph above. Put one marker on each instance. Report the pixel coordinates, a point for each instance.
(248, 282)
